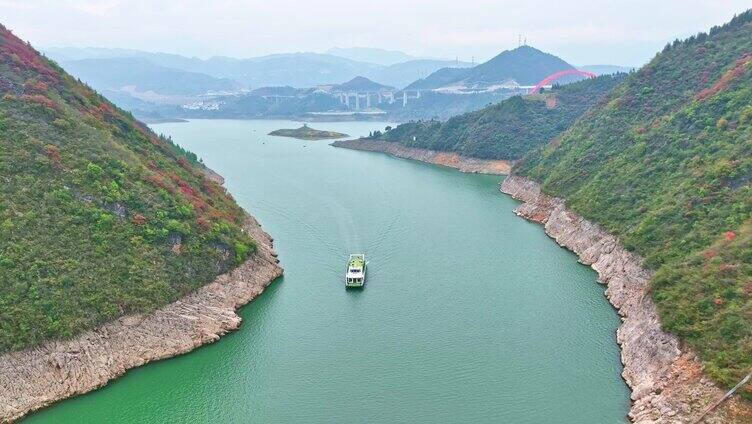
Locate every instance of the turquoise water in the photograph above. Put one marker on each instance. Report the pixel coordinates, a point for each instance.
(469, 314)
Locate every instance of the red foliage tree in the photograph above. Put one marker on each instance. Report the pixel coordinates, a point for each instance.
(138, 219)
(40, 100)
(203, 223)
(36, 86)
(25, 56)
(739, 68)
(53, 153)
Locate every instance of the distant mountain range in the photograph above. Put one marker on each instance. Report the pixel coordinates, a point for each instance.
(372, 55)
(141, 75)
(299, 70)
(158, 85)
(403, 74)
(294, 69)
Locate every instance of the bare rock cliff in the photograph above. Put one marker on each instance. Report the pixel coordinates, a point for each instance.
(33, 378)
(666, 378)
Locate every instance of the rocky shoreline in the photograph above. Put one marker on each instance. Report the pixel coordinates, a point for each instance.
(452, 160)
(34, 378)
(665, 377)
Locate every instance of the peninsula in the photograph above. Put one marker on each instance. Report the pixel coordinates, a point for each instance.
(87, 188)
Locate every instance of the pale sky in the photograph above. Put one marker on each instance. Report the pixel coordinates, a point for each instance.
(621, 32)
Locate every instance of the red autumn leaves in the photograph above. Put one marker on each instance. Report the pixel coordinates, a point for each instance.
(739, 68)
(24, 56)
(201, 202)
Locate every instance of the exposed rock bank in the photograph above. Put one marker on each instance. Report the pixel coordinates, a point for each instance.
(666, 379)
(452, 160)
(33, 378)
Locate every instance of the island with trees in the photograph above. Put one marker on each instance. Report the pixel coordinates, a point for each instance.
(307, 133)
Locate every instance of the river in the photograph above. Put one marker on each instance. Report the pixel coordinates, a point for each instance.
(469, 314)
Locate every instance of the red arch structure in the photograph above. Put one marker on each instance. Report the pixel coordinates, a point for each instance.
(553, 77)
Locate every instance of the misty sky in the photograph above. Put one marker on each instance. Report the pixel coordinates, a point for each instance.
(623, 32)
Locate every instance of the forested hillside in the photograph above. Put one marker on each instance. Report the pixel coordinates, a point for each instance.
(511, 128)
(99, 217)
(666, 165)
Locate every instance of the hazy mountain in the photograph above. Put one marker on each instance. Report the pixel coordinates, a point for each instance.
(142, 75)
(371, 55)
(155, 83)
(440, 78)
(361, 84)
(294, 69)
(525, 65)
(278, 91)
(402, 74)
(67, 54)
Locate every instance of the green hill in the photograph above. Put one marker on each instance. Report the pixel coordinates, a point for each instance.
(511, 128)
(665, 164)
(526, 65)
(361, 84)
(99, 217)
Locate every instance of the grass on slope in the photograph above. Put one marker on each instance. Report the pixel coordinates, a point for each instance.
(99, 217)
(666, 165)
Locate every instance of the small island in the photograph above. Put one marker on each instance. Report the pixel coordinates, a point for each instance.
(307, 133)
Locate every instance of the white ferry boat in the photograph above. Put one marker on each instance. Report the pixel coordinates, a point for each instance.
(356, 271)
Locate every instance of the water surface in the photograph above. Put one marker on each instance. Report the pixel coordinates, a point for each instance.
(469, 314)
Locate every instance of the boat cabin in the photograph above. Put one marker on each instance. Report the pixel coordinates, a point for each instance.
(356, 271)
